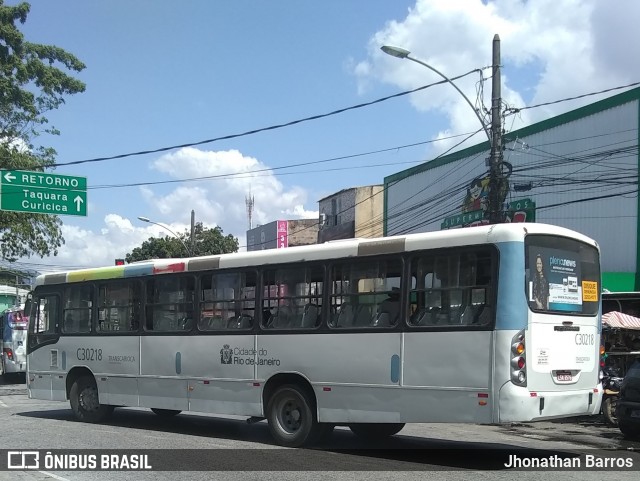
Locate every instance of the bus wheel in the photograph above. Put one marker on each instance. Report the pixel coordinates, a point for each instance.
(609, 410)
(166, 413)
(84, 401)
(376, 431)
(291, 419)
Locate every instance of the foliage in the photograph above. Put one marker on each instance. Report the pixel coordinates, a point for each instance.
(207, 242)
(31, 84)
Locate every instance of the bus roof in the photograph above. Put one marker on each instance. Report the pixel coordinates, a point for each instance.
(317, 252)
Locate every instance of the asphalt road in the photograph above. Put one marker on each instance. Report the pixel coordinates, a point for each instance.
(214, 447)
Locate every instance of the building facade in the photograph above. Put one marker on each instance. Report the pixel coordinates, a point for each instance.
(353, 212)
(578, 170)
(10, 296)
(282, 233)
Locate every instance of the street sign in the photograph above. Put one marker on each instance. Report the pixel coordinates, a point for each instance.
(43, 193)
(523, 210)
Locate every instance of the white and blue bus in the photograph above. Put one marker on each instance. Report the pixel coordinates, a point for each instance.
(487, 324)
(13, 341)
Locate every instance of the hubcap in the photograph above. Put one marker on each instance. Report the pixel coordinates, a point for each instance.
(290, 416)
(89, 399)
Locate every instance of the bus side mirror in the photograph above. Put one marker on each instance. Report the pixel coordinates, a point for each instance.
(27, 306)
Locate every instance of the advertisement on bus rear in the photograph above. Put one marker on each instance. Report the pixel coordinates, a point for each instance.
(555, 282)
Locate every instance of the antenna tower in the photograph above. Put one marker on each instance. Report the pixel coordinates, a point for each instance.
(250, 201)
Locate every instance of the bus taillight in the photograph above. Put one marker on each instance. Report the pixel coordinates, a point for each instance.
(603, 357)
(8, 353)
(518, 362)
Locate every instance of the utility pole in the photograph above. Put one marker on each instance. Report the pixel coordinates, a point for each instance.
(193, 232)
(494, 133)
(495, 158)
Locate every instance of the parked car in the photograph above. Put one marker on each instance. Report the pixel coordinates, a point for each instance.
(628, 410)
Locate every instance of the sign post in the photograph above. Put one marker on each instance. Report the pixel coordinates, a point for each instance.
(43, 193)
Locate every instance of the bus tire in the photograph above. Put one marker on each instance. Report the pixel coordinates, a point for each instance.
(166, 413)
(609, 410)
(292, 421)
(85, 403)
(376, 431)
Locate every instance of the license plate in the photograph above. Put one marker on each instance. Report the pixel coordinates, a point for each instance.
(564, 376)
(635, 414)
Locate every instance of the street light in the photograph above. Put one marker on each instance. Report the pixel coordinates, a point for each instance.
(493, 132)
(402, 53)
(146, 219)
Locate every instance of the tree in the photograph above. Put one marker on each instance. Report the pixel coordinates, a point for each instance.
(31, 84)
(207, 242)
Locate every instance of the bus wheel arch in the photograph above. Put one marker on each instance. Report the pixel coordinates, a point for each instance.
(82, 392)
(290, 407)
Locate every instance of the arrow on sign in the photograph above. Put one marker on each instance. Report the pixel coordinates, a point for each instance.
(78, 200)
(9, 176)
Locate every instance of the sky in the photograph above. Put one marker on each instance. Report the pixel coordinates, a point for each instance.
(162, 73)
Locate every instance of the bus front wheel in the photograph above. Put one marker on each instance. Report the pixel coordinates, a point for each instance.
(376, 431)
(84, 401)
(292, 422)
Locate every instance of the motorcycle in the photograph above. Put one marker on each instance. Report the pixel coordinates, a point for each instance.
(611, 382)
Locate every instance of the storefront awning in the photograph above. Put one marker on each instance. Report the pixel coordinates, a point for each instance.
(620, 320)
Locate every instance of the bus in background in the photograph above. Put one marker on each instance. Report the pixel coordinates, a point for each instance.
(488, 324)
(13, 326)
(621, 329)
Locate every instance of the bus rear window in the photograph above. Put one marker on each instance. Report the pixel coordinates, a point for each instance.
(17, 320)
(562, 275)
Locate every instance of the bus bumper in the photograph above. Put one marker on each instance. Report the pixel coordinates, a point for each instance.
(11, 367)
(518, 404)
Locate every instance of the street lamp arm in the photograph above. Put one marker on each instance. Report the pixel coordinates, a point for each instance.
(402, 53)
(482, 122)
(145, 219)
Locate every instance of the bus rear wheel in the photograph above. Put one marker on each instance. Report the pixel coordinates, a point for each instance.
(166, 413)
(85, 403)
(291, 419)
(376, 431)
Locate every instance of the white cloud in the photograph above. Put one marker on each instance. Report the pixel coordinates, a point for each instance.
(218, 201)
(221, 200)
(571, 46)
(86, 248)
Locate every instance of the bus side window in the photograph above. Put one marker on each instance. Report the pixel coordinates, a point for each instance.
(46, 315)
(78, 301)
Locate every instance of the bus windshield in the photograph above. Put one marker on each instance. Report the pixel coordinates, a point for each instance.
(562, 275)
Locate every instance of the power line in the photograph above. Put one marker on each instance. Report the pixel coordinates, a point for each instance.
(263, 129)
(289, 166)
(515, 110)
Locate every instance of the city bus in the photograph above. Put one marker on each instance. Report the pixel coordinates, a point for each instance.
(367, 333)
(13, 341)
